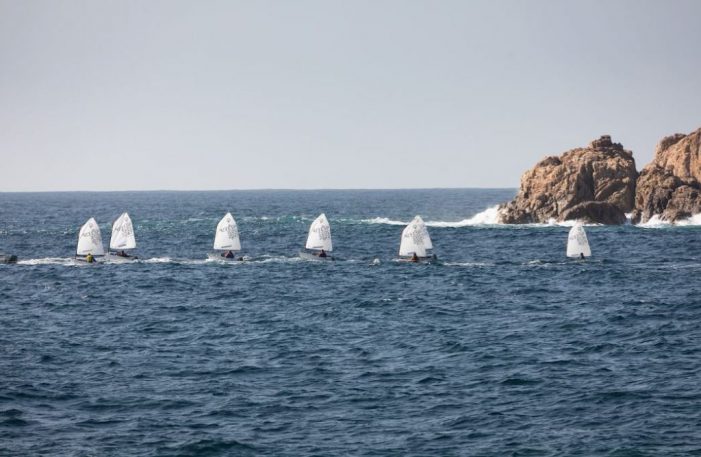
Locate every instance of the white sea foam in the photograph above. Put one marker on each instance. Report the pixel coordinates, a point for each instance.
(384, 220)
(489, 216)
(249, 260)
(539, 263)
(657, 222)
(467, 264)
(654, 222)
(68, 261)
(569, 223)
(275, 259)
(158, 260)
(554, 222)
(275, 218)
(693, 220)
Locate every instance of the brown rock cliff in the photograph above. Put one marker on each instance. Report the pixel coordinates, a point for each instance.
(670, 186)
(595, 183)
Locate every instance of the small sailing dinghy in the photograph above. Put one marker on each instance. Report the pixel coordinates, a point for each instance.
(416, 244)
(226, 239)
(577, 243)
(122, 239)
(319, 243)
(8, 258)
(89, 242)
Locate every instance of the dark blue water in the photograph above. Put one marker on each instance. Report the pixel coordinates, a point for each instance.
(504, 348)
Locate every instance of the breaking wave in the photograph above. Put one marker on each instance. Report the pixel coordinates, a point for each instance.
(693, 220)
(158, 260)
(68, 261)
(489, 216)
(657, 222)
(383, 220)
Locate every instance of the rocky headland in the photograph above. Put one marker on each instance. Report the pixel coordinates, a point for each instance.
(668, 187)
(595, 183)
(600, 184)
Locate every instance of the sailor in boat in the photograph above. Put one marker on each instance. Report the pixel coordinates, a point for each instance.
(89, 258)
(581, 255)
(123, 253)
(415, 243)
(319, 243)
(228, 254)
(8, 258)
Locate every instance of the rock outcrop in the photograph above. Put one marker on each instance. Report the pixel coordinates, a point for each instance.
(596, 183)
(669, 187)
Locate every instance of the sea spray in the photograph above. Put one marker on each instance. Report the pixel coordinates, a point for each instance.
(489, 216)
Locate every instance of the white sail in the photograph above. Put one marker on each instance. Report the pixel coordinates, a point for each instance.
(577, 243)
(122, 233)
(427, 238)
(320, 234)
(90, 239)
(414, 239)
(227, 235)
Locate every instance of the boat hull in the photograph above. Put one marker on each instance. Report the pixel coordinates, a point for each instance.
(113, 258)
(430, 259)
(8, 258)
(218, 256)
(309, 256)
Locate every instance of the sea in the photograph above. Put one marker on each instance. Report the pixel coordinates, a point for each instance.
(503, 347)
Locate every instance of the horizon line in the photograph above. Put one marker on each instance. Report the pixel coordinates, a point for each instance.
(261, 189)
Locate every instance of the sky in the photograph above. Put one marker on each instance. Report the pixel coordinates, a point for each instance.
(199, 95)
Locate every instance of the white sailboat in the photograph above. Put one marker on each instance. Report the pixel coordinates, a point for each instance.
(226, 238)
(577, 243)
(428, 244)
(89, 242)
(319, 242)
(122, 239)
(416, 243)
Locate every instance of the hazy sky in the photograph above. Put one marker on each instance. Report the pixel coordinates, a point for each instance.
(117, 95)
